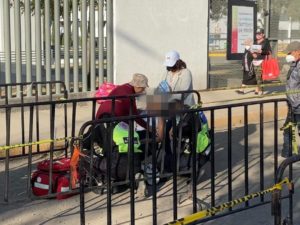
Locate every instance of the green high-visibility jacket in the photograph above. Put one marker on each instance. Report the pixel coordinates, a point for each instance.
(121, 138)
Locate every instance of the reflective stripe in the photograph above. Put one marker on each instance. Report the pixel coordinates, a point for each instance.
(64, 189)
(41, 186)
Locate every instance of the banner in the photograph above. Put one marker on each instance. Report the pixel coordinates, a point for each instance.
(241, 26)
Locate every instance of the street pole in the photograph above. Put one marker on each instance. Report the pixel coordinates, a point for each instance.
(268, 19)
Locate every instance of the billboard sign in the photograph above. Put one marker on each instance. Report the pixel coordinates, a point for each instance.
(241, 26)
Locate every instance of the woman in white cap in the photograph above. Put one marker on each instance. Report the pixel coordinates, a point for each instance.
(178, 77)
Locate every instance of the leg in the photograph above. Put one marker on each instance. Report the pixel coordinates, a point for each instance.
(258, 71)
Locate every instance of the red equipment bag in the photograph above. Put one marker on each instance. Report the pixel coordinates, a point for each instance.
(104, 90)
(59, 165)
(270, 69)
(60, 178)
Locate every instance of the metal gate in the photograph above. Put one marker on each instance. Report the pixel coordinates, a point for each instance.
(67, 40)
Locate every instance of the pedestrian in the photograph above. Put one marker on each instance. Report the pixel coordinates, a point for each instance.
(178, 77)
(292, 85)
(248, 68)
(260, 50)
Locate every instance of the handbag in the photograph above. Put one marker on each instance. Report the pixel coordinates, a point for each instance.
(270, 68)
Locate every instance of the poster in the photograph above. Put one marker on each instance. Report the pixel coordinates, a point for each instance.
(242, 26)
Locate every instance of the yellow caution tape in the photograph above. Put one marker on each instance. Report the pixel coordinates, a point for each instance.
(46, 141)
(294, 142)
(209, 212)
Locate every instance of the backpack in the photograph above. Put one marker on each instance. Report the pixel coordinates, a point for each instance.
(104, 90)
(119, 155)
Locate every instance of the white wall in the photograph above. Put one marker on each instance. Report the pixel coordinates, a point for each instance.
(146, 29)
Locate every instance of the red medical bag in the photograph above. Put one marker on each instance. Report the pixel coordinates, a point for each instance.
(60, 178)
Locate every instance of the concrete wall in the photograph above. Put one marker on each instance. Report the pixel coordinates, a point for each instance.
(146, 29)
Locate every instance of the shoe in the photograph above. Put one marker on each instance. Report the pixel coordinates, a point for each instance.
(240, 92)
(284, 154)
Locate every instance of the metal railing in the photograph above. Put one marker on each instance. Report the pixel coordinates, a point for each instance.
(83, 45)
(108, 146)
(276, 197)
(46, 127)
(192, 172)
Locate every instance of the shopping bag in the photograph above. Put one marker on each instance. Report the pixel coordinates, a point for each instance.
(104, 90)
(270, 69)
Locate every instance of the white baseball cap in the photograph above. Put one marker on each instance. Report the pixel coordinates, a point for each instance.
(171, 58)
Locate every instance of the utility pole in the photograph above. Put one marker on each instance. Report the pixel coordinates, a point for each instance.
(268, 19)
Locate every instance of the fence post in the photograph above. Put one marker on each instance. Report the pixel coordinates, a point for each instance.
(57, 44)
(28, 45)
(47, 40)
(38, 65)
(92, 45)
(75, 45)
(18, 44)
(100, 42)
(110, 45)
(7, 45)
(84, 45)
(67, 45)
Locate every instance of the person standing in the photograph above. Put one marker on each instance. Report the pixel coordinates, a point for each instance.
(259, 55)
(292, 85)
(248, 69)
(178, 77)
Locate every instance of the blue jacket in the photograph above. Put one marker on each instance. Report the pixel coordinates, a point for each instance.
(293, 84)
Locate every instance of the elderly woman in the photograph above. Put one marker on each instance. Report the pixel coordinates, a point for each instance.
(249, 77)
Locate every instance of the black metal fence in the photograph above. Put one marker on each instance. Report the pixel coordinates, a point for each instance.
(192, 173)
(263, 179)
(45, 127)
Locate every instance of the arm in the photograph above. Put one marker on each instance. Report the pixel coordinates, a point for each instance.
(160, 128)
(139, 121)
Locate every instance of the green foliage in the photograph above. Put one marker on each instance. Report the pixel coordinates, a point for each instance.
(293, 10)
(218, 8)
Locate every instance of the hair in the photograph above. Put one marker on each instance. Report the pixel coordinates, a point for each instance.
(179, 65)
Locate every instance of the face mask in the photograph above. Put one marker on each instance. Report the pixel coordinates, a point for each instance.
(247, 47)
(290, 58)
